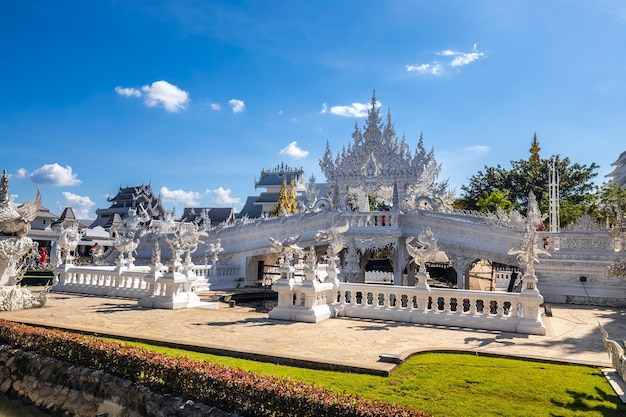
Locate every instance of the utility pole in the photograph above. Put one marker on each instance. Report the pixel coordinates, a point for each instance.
(555, 222)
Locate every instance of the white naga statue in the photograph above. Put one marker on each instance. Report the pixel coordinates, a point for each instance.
(424, 251)
(528, 252)
(336, 243)
(286, 249)
(14, 226)
(69, 237)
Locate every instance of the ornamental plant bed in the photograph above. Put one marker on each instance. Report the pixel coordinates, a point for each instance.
(230, 389)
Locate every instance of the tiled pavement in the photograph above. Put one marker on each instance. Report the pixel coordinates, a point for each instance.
(572, 333)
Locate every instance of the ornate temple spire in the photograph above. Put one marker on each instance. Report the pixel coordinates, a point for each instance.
(534, 150)
(4, 187)
(357, 135)
(373, 123)
(389, 132)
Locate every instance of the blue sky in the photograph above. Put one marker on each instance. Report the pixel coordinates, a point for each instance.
(197, 97)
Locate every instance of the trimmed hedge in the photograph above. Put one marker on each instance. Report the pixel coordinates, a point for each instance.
(230, 389)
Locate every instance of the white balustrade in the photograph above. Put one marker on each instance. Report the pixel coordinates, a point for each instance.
(372, 219)
(436, 306)
(217, 277)
(102, 280)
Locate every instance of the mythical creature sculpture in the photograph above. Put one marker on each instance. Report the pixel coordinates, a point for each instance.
(125, 244)
(334, 237)
(286, 249)
(424, 251)
(69, 238)
(185, 238)
(15, 298)
(616, 352)
(529, 252)
(16, 220)
(215, 249)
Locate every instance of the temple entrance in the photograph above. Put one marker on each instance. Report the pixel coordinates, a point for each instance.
(378, 266)
(485, 275)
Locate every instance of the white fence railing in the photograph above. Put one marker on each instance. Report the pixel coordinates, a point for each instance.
(511, 312)
(107, 281)
(217, 277)
(372, 219)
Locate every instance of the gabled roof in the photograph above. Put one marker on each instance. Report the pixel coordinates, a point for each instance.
(45, 213)
(67, 219)
(250, 209)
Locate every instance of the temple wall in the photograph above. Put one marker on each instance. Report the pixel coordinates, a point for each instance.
(580, 282)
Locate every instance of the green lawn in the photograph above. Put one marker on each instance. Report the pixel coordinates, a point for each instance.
(461, 385)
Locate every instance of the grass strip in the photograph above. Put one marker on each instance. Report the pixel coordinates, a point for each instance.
(456, 385)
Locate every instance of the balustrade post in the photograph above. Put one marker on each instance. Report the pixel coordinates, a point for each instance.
(531, 300)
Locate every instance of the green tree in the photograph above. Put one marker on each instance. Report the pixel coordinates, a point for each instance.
(609, 205)
(495, 200)
(533, 175)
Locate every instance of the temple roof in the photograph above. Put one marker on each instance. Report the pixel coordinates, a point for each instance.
(274, 177)
(618, 175)
(216, 215)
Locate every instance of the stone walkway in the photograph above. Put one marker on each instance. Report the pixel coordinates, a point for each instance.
(572, 333)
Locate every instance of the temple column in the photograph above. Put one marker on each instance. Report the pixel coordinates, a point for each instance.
(461, 264)
(401, 257)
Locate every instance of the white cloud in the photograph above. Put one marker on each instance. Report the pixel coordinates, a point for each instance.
(55, 174)
(215, 106)
(222, 196)
(459, 59)
(324, 108)
(294, 151)
(353, 110)
(433, 69)
(237, 105)
(162, 93)
(80, 204)
(187, 198)
(478, 148)
(21, 173)
(463, 58)
(127, 92)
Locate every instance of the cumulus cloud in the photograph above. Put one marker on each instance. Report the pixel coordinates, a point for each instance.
(457, 59)
(127, 92)
(215, 106)
(55, 174)
(353, 110)
(294, 151)
(159, 93)
(222, 196)
(237, 105)
(187, 198)
(162, 93)
(80, 204)
(21, 173)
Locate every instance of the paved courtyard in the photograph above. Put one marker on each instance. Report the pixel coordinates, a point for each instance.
(572, 333)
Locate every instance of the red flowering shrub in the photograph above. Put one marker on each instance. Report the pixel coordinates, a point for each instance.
(230, 389)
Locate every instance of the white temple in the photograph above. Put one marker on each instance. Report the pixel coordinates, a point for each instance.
(384, 195)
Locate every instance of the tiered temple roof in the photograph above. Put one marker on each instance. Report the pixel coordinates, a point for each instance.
(618, 175)
(128, 198)
(272, 181)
